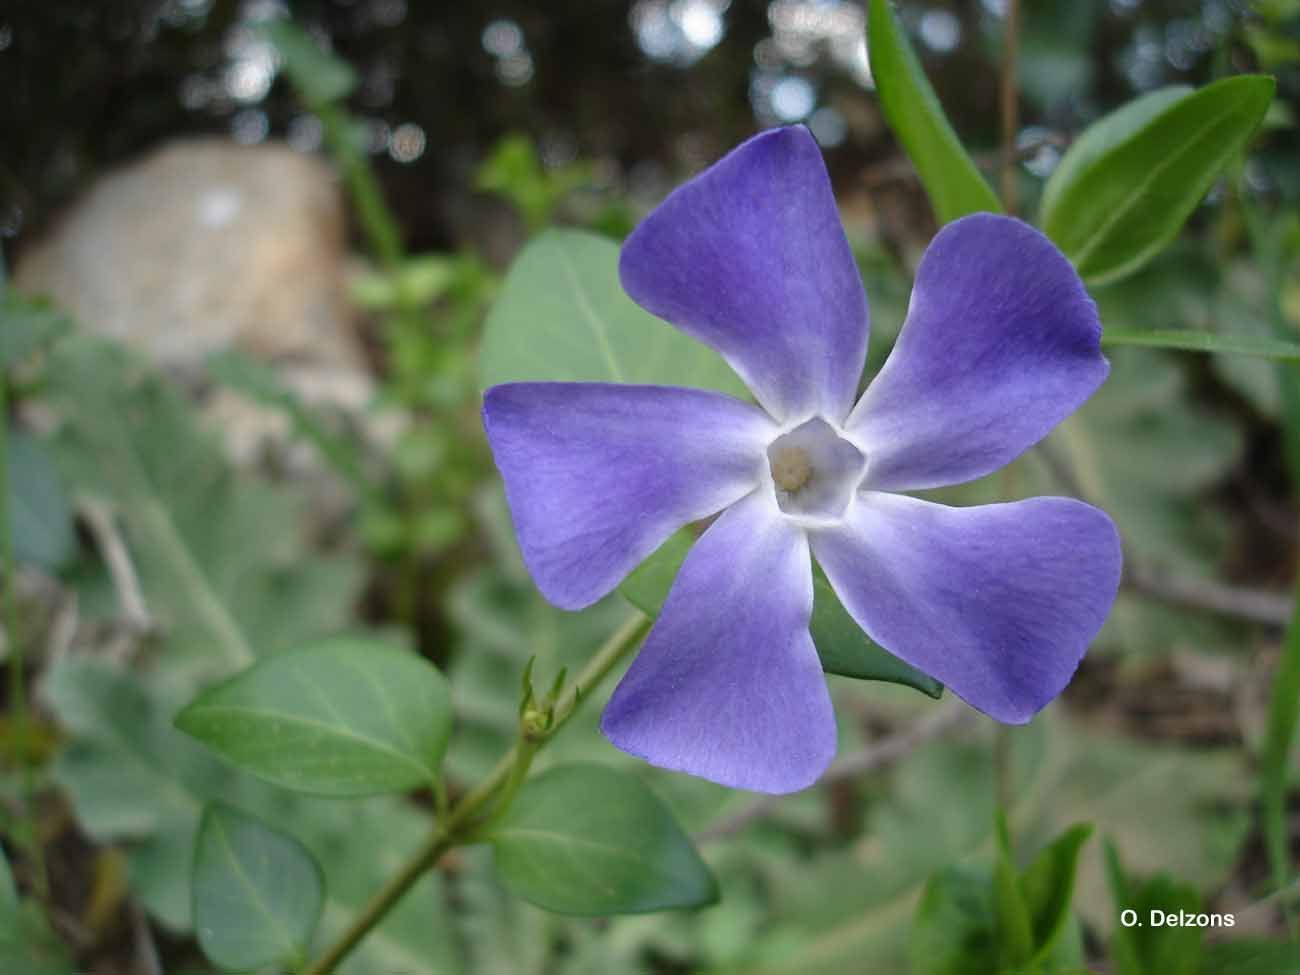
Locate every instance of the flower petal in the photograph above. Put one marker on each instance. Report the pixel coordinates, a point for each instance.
(599, 475)
(750, 257)
(728, 685)
(1001, 343)
(999, 602)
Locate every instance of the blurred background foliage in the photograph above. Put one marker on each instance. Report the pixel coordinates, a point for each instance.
(158, 554)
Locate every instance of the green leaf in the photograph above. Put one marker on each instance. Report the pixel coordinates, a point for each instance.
(1173, 808)
(416, 283)
(1122, 204)
(362, 845)
(1193, 341)
(8, 892)
(501, 932)
(1251, 957)
(973, 921)
(317, 74)
(952, 933)
(257, 892)
(139, 784)
(843, 647)
(261, 384)
(954, 185)
(341, 717)
(1244, 302)
(563, 316)
(27, 944)
(514, 171)
(39, 511)
(133, 779)
(26, 325)
(1275, 756)
(1048, 887)
(1103, 135)
(647, 587)
(1011, 920)
(586, 839)
(1148, 948)
(222, 566)
(846, 650)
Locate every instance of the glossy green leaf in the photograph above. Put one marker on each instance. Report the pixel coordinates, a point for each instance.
(318, 74)
(647, 587)
(954, 185)
(843, 647)
(846, 650)
(1047, 886)
(586, 839)
(563, 316)
(258, 893)
(1122, 204)
(1191, 341)
(1104, 134)
(341, 717)
(40, 513)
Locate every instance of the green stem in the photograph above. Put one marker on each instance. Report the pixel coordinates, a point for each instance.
(383, 902)
(521, 761)
(1002, 766)
(376, 220)
(465, 822)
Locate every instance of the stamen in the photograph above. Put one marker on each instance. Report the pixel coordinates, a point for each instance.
(815, 471)
(790, 468)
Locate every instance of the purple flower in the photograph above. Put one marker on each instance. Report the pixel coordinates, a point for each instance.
(999, 602)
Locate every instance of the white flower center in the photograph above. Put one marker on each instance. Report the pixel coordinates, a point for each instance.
(815, 471)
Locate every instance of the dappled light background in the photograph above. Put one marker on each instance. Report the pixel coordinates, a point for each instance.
(648, 90)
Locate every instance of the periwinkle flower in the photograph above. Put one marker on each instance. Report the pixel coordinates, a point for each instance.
(999, 602)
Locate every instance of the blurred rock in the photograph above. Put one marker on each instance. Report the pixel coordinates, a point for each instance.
(205, 245)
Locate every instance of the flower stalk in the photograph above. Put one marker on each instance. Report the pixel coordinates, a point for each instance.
(483, 805)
